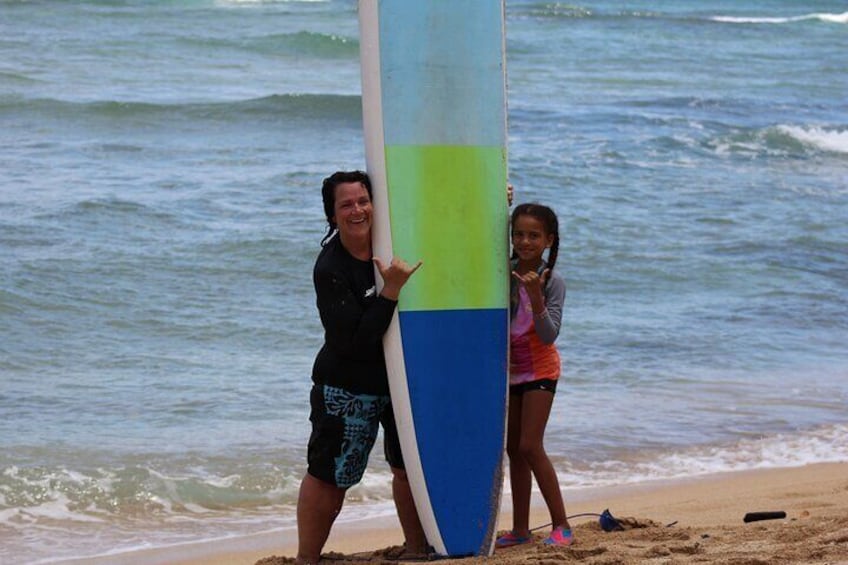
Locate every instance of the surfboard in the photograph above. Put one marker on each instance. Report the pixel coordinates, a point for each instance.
(434, 117)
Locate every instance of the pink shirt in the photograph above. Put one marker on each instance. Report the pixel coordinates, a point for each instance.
(529, 358)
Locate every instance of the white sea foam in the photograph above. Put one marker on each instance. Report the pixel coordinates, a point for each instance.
(825, 17)
(783, 139)
(58, 508)
(821, 138)
(375, 486)
(826, 444)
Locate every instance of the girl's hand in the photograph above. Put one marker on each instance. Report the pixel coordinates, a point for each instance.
(533, 283)
(531, 280)
(394, 275)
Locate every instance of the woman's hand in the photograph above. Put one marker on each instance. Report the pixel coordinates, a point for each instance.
(394, 275)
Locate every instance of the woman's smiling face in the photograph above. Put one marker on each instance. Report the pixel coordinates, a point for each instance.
(352, 210)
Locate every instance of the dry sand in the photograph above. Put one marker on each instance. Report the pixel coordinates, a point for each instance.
(691, 521)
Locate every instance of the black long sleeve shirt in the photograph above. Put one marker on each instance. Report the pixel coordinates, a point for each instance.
(355, 318)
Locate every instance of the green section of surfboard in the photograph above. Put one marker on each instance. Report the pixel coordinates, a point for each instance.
(448, 208)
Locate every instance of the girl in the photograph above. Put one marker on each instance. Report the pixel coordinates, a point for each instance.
(537, 295)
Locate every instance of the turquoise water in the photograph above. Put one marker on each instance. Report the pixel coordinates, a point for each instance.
(160, 214)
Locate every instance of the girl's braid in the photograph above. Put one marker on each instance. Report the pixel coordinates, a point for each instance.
(549, 219)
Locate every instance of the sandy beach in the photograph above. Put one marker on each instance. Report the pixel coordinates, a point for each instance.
(686, 521)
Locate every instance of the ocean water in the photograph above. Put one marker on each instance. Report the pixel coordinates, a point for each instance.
(160, 165)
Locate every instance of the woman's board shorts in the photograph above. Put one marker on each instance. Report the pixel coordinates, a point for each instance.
(539, 384)
(344, 429)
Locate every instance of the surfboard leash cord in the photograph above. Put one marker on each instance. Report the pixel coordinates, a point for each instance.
(607, 520)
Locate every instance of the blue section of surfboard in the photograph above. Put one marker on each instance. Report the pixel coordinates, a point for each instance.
(434, 109)
(458, 422)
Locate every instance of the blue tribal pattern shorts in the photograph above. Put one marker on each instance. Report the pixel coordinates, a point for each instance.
(344, 429)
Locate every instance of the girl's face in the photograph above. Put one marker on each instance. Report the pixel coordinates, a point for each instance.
(529, 239)
(353, 210)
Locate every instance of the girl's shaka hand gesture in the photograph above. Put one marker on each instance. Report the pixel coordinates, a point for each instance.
(531, 280)
(394, 275)
(533, 283)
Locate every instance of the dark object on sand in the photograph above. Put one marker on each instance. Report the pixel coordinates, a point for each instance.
(757, 516)
(608, 522)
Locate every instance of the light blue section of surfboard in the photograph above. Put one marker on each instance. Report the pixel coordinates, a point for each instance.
(436, 77)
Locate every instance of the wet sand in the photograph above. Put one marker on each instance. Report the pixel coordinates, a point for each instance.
(685, 521)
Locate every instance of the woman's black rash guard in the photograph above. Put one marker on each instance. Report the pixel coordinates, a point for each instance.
(355, 318)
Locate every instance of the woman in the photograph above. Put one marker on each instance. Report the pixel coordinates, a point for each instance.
(350, 392)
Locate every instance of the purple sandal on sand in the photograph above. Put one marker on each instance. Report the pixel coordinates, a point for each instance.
(510, 539)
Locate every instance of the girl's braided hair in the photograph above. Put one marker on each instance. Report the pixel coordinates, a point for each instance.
(548, 218)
